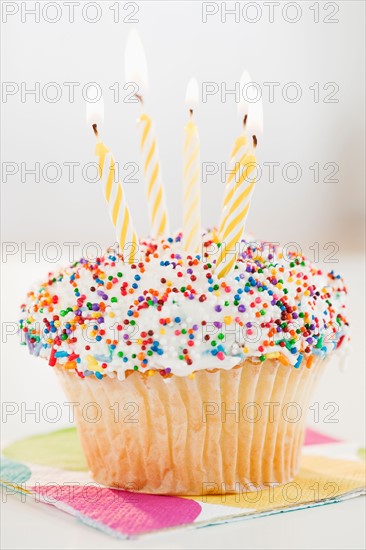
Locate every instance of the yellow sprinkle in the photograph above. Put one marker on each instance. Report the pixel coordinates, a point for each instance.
(246, 350)
(168, 283)
(31, 319)
(307, 293)
(217, 293)
(92, 362)
(151, 372)
(162, 331)
(274, 355)
(290, 279)
(228, 320)
(57, 323)
(191, 376)
(112, 314)
(139, 341)
(279, 285)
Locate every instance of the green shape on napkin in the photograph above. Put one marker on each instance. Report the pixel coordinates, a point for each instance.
(361, 453)
(59, 449)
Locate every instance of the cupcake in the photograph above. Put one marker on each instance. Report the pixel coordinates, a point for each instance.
(185, 383)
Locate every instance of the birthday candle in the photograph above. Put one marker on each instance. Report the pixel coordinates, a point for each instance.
(191, 178)
(152, 172)
(113, 192)
(240, 149)
(238, 204)
(136, 71)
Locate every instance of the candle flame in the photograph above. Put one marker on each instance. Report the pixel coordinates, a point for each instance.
(135, 62)
(243, 105)
(192, 94)
(255, 119)
(95, 112)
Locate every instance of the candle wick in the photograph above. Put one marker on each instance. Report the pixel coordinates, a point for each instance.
(255, 141)
(191, 113)
(95, 130)
(245, 120)
(140, 98)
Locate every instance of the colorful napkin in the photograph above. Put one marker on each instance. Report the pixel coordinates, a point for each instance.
(51, 468)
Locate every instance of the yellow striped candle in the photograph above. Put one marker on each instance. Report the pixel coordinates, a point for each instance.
(120, 214)
(240, 149)
(152, 171)
(238, 202)
(136, 74)
(191, 178)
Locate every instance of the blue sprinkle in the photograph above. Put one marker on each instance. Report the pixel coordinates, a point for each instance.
(299, 361)
(61, 354)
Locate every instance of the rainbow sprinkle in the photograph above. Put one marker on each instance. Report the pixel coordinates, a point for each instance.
(169, 314)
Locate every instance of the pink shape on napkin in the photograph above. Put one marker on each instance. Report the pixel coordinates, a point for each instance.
(315, 438)
(124, 512)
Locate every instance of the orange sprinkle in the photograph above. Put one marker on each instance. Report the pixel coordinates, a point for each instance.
(282, 359)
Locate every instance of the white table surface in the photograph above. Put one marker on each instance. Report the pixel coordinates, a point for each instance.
(31, 526)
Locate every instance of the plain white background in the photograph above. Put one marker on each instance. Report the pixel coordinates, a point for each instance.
(179, 45)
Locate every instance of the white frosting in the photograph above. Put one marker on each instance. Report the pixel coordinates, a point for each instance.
(181, 324)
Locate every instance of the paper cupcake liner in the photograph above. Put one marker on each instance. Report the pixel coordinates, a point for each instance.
(218, 432)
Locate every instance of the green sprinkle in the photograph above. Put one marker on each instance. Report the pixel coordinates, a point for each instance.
(319, 343)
